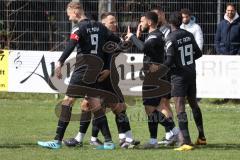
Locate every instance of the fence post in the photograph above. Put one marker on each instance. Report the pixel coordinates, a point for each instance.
(218, 11)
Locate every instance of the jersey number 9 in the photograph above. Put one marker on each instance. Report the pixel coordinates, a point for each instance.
(94, 42)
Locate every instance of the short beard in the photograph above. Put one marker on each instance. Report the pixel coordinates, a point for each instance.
(145, 29)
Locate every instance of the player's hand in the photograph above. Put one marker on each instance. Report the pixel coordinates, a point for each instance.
(58, 70)
(139, 31)
(103, 75)
(153, 67)
(129, 34)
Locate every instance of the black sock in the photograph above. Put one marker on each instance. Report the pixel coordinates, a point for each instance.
(122, 122)
(197, 115)
(164, 121)
(95, 130)
(170, 120)
(183, 125)
(153, 125)
(100, 120)
(85, 120)
(63, 122)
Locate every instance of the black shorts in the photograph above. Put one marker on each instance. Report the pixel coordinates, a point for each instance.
(183, 86)
(106, 85)
(150, 101)
(78, 88)
(167, 77)
(154, 101)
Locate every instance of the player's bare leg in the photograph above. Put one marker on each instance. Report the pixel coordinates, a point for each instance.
(171, 135)
(165, 107)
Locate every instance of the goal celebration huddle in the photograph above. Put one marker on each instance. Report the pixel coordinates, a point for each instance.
(169, 71)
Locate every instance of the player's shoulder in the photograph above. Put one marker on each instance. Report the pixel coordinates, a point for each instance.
(171, 36)
(78, 27)
(187, 33)
(154, 36)
(182, 33)
(165, 28)
(177, 34)
(87, 23)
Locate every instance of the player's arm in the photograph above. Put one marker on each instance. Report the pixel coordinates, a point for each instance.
(152, 53)
(138, 43)
(149, 49)
(74, 38)
(111, 36)
(68, 50)
(170, 50)
(106, 68)
(197, 51)
(131, 37)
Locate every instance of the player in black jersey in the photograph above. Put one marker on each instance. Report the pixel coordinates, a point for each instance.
(153, 49)
(182, 51)
(165, 107)
(89, 37)
(119, 109)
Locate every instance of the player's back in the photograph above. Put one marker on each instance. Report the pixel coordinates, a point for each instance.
(93, 36)
(184, 49)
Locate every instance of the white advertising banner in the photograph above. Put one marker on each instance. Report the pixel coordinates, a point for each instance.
(31, 71)
(218, 76)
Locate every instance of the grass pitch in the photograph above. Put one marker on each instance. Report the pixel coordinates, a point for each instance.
(24, 122)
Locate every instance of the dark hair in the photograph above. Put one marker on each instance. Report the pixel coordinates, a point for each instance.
(152, 16)
(232, 4)
(158, 8)
(186, 11)
(105, 14)
(175, 19)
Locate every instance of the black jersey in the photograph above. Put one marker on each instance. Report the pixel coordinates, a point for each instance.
(154, 47)
(182, 51)
(89, 37)
(165, 29)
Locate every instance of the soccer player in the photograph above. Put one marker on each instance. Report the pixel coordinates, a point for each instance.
(89, 37)
(119, 109)
(153, 49)
(165, 107)
(182, 51)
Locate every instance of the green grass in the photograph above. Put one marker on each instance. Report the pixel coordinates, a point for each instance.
(24, 122)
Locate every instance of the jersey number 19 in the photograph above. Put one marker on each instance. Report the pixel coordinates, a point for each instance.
(186, 54)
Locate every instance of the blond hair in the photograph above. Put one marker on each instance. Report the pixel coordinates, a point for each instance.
(76, 7)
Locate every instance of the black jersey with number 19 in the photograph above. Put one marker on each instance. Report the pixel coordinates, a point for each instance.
(183, 50)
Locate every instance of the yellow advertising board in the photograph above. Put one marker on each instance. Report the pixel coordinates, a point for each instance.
(4, 70)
